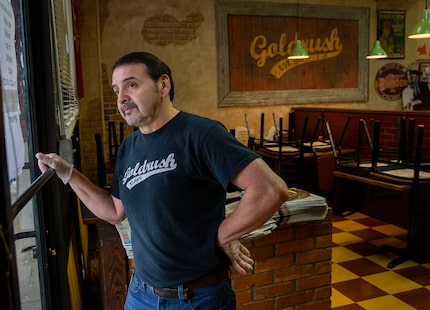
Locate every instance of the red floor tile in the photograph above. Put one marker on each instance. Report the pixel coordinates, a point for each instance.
(362, 267)
(365, 249)
(419, 274)
(368, 234)
(419, 298)
(358, 289)
(370, 221)
(349, 307)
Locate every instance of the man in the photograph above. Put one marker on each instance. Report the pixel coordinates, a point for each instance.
(417, 95)
(386, 38)
(170, 181)
(410, 95)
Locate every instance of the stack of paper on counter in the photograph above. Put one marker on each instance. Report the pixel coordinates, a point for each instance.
(124, 232)
(301, 208)
(262, 231)
(309, 208)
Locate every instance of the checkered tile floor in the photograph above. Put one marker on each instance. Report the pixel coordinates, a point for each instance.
(360, 278)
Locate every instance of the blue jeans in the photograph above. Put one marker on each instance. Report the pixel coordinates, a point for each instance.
(216, 297)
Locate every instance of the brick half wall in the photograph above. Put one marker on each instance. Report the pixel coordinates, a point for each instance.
(292, 269)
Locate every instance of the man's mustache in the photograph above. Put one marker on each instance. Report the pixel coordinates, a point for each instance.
(128, 105)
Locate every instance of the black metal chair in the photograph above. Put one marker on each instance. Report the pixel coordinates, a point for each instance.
(348, 160)
(403, 151)
(114, 141)
(352, 165)
(103, 168)
(418, 239)
(290, 166)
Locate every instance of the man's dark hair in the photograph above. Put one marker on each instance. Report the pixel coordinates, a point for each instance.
(155, 67)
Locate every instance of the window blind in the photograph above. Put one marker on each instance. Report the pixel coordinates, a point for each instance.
(64, 64)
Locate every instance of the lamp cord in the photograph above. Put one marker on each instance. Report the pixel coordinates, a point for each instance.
(297, 16)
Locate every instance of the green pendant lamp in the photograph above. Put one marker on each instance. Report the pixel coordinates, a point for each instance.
(298, 51)
(422, 28)
(377, 51)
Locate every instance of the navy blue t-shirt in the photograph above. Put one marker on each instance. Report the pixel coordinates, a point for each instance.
(173, 183)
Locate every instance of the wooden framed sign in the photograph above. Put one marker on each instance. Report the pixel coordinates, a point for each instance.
(254, 40)
(391, 32)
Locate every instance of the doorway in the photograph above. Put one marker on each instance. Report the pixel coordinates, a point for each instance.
(38, 93)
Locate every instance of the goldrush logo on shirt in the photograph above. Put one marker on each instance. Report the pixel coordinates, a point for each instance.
(141, 171)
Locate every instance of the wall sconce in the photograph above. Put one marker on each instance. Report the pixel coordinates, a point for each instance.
(298, 51)
(377, 52)
(422, 28)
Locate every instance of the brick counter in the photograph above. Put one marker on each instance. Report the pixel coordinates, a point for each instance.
(292, 269)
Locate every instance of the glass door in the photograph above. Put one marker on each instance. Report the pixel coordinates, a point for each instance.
(39, 110)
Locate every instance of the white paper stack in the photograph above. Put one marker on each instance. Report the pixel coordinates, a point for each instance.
(124, 232)
(310, 208)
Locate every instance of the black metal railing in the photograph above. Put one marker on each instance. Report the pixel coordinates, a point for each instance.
(31, 191)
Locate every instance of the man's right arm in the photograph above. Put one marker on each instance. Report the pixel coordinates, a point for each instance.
(95, 198)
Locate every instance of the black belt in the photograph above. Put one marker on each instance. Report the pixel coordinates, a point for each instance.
(171, 293)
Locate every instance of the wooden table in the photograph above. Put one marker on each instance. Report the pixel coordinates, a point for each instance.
(373, 179)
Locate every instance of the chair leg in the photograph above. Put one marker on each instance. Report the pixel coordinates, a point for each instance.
(101, 169)
(403, 255)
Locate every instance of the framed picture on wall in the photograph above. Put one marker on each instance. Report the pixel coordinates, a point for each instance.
(391, 32)
(424, 67)
(255, 38)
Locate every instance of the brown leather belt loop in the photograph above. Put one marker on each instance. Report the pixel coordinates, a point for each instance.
(171, 293)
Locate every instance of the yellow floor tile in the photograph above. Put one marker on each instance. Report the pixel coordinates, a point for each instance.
(390, 230)
(341, 254)
(349, 225)
(391, 282)
(344, 238)
(338, 299)
(384, 303)
(339, 274)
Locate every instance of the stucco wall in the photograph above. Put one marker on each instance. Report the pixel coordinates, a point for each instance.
(111, 28)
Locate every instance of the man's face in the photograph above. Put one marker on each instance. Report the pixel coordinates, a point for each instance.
(138, 97)
(413, 77)
(386, 30)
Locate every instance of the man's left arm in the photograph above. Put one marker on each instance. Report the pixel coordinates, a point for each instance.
(263, 193)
